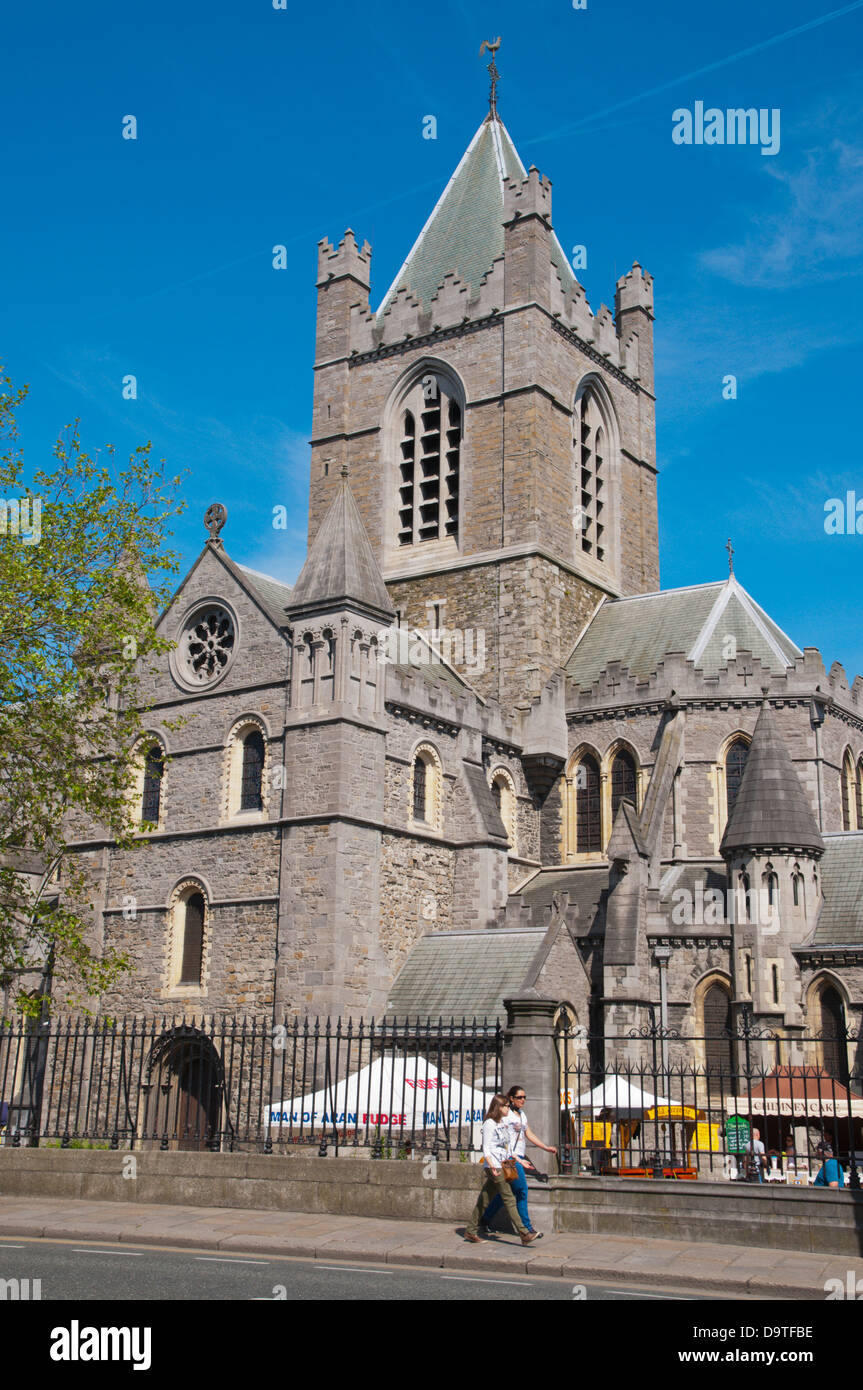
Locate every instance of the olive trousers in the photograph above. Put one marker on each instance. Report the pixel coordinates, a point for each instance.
(491, 1188)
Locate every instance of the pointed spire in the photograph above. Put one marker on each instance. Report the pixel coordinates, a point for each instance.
(772, 810)
(465, 233)
(340, 567)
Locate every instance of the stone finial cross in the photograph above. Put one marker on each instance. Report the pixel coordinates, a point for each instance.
(214, 519)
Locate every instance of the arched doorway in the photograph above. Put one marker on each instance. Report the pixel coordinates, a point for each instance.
(184, 1089)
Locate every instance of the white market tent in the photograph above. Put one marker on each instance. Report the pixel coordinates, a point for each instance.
(615, 1093)
(398, 1095)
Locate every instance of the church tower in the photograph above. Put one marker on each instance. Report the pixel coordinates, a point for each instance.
(500, 436)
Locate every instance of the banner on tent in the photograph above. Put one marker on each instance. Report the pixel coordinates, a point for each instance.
(346, 1119)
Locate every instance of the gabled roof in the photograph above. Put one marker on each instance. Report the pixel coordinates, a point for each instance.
(840, 921)
(465, 230)
(271, 595)
(464, 974)
(341, 567)
(640, 631)
(771, 810)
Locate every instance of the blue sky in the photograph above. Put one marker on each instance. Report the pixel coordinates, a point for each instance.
(259, 126)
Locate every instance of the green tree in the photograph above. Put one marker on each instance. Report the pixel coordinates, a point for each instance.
(83, 575)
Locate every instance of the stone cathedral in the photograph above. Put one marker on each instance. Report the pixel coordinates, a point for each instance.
(476, 752)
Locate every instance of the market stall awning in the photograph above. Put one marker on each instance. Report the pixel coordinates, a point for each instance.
(805, 1092)
(615, 1093)
(402, 1094)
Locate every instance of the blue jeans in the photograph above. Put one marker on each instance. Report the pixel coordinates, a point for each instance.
(519, 1192)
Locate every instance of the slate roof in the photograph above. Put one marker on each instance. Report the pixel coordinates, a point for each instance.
(272, 592)
(433, 670)
(771, 810)
(465, 230)
(840, 921)
(464, 974)
(585, 886)
(340, 566)
(640, 631)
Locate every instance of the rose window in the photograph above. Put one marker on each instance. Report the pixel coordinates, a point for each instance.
(208, 644)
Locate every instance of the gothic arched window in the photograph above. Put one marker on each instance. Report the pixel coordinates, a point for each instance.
(859, 796)
(735, 762)
(251, 791)
(430, 424)
(623, 781)
(847, 792)
(716, 1013)
(832, 1030)
(590, 449)
(154, 771)
(588, 825)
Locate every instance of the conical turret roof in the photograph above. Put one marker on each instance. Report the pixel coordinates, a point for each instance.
(341, 567)
(464, 233)
(772, 810)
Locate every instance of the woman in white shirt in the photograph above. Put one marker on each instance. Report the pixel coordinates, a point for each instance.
(496, 1146)
(521, 1131)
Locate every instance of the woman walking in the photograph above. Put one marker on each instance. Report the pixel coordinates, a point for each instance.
(496, 1148)
(521, 1132)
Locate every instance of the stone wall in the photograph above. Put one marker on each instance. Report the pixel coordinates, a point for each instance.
(775, 1218)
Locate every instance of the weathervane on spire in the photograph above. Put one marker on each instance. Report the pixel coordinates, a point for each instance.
(730, 548)
(493, 72)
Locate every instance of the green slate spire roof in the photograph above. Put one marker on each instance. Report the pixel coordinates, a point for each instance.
(772, 810)
(341, 567)
(465, 231)
(698, 620)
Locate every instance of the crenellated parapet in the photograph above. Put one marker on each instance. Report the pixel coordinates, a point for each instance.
(345, 261)
(530, 197)
(742, 680)
(525, 272)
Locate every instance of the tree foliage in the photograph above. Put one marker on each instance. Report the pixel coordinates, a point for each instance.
(78, 600)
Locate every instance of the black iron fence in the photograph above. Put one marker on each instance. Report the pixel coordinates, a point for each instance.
(752, 1105)
(391, 1089)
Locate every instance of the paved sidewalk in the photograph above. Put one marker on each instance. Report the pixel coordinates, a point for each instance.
(665, 1264)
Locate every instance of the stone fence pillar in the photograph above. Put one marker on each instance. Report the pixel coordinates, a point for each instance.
(530, 1060)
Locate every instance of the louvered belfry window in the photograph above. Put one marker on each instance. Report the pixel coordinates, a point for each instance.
(588, 827)
(251, 798)
(154, 768)
(622, 781)
(430, 454)
(193, 940)
(590, 448)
